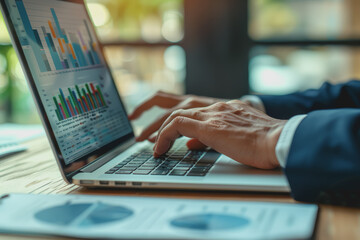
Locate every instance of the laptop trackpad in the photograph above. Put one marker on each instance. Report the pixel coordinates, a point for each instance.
(226, 166)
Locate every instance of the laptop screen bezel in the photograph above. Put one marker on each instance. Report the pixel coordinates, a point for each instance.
(41, 109)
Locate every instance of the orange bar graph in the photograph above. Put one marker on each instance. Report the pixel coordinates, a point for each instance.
(61, 46)
(72, 50)
(52, 29)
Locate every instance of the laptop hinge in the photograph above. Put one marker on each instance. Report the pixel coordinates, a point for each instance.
(107, 157)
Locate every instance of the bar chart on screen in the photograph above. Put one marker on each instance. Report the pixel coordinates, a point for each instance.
(57, 42)
(78, 95)
(79, 100)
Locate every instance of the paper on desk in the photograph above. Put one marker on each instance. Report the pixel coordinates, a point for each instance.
(100, 217)
(10, 132)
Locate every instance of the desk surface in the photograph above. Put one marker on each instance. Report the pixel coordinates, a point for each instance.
(35, 171)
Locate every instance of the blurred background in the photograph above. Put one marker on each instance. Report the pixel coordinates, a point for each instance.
(224, 48)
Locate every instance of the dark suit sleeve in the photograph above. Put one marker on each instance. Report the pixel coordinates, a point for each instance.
(324, 160)
(346, 95)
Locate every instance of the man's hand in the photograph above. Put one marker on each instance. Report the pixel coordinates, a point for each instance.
(170, 102)
(234, 128)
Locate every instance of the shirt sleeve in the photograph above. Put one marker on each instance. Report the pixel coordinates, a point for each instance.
(286, 137)
(284, 143)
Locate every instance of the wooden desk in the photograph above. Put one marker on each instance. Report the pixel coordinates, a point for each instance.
(35, 171)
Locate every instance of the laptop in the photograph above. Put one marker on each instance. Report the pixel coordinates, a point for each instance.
(85, 119)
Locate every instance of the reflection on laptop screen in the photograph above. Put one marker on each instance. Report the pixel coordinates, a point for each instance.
(75, 87)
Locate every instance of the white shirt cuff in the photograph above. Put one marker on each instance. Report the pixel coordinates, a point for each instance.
(254, 101)
(284, 143)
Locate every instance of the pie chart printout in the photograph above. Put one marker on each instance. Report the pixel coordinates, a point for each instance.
(210, 222)
(83, 214)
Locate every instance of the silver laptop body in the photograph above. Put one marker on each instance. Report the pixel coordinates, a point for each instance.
(83, 115)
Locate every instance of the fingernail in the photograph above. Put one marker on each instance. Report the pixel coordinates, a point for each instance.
(156, 155)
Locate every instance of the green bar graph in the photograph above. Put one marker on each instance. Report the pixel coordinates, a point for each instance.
(101, 95)
(63, 104)
(78, 100)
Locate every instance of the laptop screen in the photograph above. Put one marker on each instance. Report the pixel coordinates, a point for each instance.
(73, 82)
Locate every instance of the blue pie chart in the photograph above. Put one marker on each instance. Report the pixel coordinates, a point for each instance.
(90, 214)
(210, 222)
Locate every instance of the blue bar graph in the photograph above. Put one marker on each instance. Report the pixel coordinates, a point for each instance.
(63, 97)
(54, 54)
(37, 37)
(80, 55)
(96, 56)
(56, 48)
(58, 25)
(29, 30)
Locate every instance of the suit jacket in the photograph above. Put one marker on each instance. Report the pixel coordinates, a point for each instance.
(323, 164)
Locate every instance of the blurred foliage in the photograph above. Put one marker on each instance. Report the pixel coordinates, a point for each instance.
(138, 20)
(4, 35)
(16, 104)
(306, 19)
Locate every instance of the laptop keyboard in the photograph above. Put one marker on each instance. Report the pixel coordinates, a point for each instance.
(179, 161)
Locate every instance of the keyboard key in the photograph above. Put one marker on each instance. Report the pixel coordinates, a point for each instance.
(145, 168)
(160, 172)
(154, 160)
(171, 165)
(141, 172)
(192, 162)
(184, 165)
(148, 166)
(138, 161)
(128, 168)
(142, 159)
(127, 160)
(123, 172)
(182, 168)
(132, 165)
(166, 164)
(210, 157)
(200, 164)
(172, 161)
(178, 161)
(177, 155)
(165, 167)
(200, 169)
(178, 172)
(196, 174)
(143, 154)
